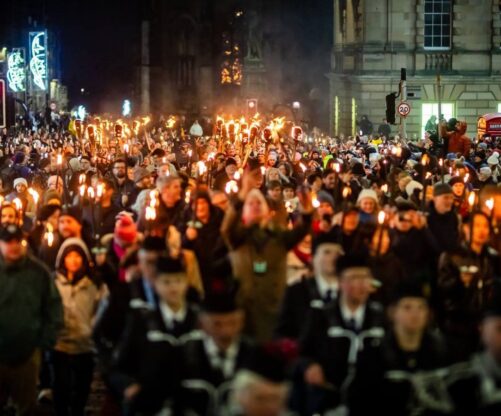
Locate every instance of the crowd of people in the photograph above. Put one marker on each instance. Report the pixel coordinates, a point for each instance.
(246, 271)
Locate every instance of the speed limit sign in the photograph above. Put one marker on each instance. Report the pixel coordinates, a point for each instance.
(403, 109)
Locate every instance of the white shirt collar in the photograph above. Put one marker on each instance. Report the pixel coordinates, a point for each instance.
(169, 315)
(226, 365)
(323, 286)
(348, 315)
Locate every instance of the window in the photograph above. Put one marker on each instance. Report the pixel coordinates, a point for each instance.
(437, 24)
(431, 109)
(499, 107)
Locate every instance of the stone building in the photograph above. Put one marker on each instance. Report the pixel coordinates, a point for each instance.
(201, 57)
(460, 40)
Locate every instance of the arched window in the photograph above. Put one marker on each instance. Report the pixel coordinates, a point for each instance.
(437, 24)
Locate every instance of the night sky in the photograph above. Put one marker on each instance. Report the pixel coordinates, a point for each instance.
(98, 41)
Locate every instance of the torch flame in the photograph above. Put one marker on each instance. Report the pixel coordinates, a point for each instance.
(231, 187)
(490, 204)
(346, 192)
(34, 194)
(315, 202)
(381, 217)
(471, 199)
(17, 202)
(150, 213)
(49, 235)
(100, 190)
(171, 122)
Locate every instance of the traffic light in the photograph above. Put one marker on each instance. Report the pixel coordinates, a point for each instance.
(3, 115)
(390, 107)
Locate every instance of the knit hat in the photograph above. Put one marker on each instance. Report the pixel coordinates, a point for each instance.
(20, 181)
(485, 172)
(140, 174)
(412, 186)
(47, 210)
(125, 228)
(323, 196)
(71, 211)
(367, 193)
(51, 195)
(456, 179)
(493, 159)
(441, 189)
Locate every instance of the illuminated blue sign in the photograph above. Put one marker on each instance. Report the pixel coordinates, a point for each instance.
(38, 59)
(126, 108)
(16, 74)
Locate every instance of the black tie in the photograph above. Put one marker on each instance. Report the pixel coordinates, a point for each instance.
(328, 296)
(352, 324)
(176, 325)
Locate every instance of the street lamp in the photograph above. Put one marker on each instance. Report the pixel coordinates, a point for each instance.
(296, 105)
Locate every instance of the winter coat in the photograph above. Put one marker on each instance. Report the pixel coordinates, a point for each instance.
(30, 310)
(258, 257)
(81, 299)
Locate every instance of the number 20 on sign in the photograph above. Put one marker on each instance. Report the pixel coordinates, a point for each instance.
(403, 109)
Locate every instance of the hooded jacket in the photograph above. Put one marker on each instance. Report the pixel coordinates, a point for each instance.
(81, 299)
(30, 310)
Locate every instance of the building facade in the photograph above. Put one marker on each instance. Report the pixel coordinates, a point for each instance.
(457, 40)
(204, 57)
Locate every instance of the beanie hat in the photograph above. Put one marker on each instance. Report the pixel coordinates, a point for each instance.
(140, 174)
(323, 196)
(71, 211)
(51, 194)
(456, 179)
(485, 171)
(412, 186)
(493, 159)
(125, 228)
(47, 210)
(367, 193)
(441, 189)
(20, 181)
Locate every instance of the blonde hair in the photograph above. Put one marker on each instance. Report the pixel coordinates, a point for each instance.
(265, 209)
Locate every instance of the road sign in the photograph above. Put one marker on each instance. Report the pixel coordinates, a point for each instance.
(403, 109)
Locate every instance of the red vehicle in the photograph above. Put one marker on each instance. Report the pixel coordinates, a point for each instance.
(489, 125)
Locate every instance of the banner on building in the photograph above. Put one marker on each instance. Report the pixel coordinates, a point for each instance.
(16, 70)
(38, 60)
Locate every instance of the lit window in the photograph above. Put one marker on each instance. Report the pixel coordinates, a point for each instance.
(437, 24)
(431, 109)
(499, 107)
